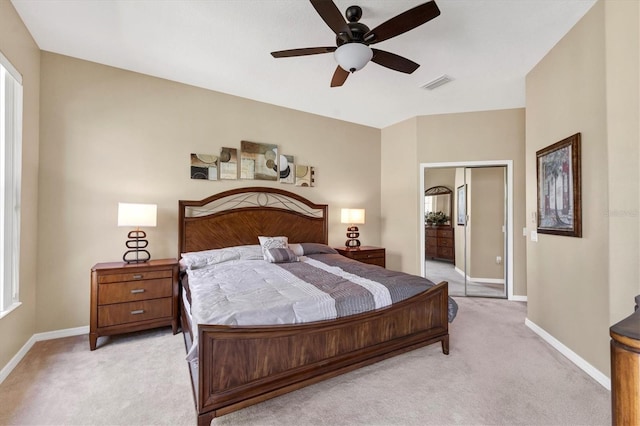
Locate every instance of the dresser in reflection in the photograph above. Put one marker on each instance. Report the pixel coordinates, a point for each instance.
(439, 243)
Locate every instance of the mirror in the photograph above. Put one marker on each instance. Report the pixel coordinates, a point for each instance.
(438, 205)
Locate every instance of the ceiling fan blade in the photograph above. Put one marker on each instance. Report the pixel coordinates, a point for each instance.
(302, 52)
(402, 23)
(393, 61)
(339, 77)
(330, 13)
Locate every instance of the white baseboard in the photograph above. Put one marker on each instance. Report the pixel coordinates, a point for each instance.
(57, 334)
(596, 374)
(479, 280)
(517, 298)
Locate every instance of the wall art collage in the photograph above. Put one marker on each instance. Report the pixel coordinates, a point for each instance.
(257, 161)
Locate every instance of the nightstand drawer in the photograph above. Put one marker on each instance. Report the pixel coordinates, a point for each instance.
(135, 276)
(131, 291)
(123, 313)
(365, 254)
(369, 254)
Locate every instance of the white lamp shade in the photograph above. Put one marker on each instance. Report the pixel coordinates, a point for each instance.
(352, 216)
(137, 214)
(353, 56)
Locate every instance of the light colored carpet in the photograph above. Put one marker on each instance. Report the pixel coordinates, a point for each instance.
(498, 373)
(437, 270)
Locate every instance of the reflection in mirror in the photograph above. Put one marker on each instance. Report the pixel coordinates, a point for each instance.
(437, 205)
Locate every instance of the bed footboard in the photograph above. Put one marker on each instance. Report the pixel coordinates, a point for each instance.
(241, 366)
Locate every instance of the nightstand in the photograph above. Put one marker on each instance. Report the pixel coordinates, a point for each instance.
(364, 254)
(132, 297)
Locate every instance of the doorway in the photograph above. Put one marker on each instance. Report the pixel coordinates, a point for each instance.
(475, 254)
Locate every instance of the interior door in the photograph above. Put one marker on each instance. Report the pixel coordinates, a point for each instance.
(478, 226)
(485, 228)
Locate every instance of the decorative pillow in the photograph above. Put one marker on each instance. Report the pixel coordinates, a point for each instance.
(297, 249)
(272, 242)
(316, 248)
(281, 255)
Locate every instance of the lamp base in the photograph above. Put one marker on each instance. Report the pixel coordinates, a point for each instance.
(352, 235)
(352, 243)
(136, 243)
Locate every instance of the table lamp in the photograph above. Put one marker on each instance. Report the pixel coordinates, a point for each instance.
(353, 217)
(137, 215)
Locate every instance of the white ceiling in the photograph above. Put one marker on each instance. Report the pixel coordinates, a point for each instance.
(486, 46)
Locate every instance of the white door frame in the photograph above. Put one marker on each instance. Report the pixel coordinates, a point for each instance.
(509, 226)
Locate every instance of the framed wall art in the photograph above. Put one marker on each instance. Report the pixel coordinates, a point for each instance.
(461, 204)
(305, 176)
(228, 164)
(559, 188)
(287, 169)
(204, 166)
(258, 161)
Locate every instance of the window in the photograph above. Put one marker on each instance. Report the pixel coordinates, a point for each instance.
(10, 172)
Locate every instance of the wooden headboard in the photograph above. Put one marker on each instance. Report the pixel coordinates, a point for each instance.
(239, 216)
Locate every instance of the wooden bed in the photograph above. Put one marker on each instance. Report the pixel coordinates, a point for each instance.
(240, 365)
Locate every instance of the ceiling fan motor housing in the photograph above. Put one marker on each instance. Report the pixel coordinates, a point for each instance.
(358, 30)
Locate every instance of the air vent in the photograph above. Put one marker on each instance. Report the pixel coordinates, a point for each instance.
(433, 84)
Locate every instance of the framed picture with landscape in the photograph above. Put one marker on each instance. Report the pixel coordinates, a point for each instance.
(559, 193)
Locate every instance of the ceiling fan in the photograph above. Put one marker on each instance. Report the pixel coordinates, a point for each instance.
(352, 51)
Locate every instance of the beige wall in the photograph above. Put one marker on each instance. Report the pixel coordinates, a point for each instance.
(622, 42)
(112, 136)
(567, 277)
(475, 136)
(399, 191)
(17, 45)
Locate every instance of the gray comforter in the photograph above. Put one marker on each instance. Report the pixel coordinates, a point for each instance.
(237, 287)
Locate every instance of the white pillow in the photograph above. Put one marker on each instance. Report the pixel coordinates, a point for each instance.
(297, 249)
(272, 242)
(200, 259)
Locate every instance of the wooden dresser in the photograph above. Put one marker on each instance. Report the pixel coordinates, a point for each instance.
(365, 254)
(439, 243)
(132, 297)
(625, 370)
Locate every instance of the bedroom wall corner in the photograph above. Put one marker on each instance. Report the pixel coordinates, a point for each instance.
(568, 278)
(20, 49)
(399, 185)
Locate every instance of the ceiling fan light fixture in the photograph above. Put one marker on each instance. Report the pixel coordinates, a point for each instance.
(353, 56)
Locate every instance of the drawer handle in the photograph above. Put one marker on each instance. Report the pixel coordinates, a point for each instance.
(137, 290)
(138, 277)
(137, 312)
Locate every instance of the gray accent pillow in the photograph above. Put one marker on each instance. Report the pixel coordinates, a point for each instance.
(272, 242)
(316, 248)
(281, 255)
